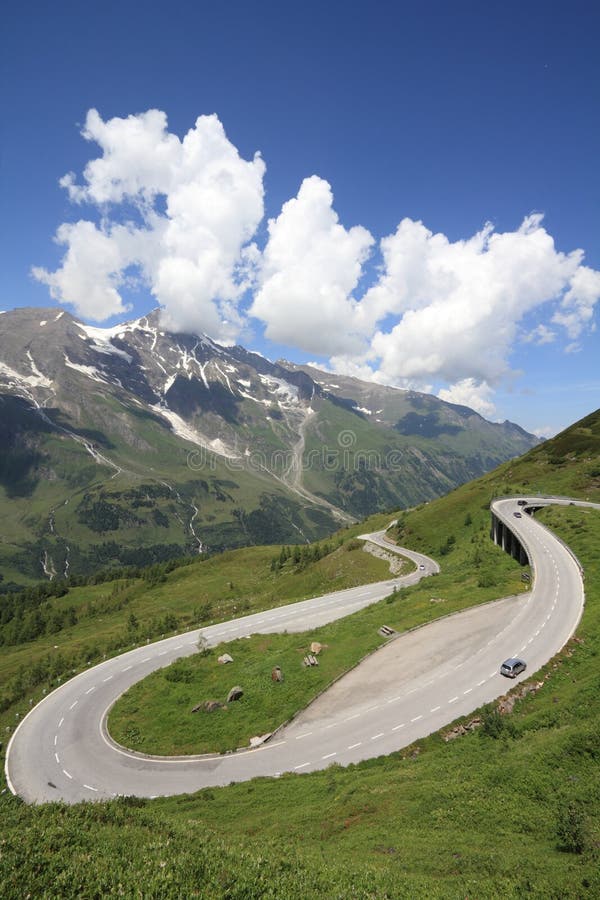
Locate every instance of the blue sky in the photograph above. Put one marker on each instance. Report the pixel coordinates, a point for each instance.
(452, 116)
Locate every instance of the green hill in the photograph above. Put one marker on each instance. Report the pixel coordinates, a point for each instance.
(510, 809)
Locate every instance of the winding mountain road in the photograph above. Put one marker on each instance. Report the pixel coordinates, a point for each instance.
(412, 686)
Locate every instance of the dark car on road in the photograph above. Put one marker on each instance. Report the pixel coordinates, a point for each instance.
(513, 667)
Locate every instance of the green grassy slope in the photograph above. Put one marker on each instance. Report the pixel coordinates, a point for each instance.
(508, 810)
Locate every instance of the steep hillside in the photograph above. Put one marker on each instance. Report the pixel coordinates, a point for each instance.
(566, 465)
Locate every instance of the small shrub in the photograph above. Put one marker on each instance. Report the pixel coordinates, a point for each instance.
(178, 674)
(495, 725)
(352, 544)
(486, 579)
(572, 829)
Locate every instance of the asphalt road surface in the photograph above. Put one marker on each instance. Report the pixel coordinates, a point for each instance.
(414, 685)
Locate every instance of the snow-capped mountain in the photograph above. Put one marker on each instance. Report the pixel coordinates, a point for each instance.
(132, 442)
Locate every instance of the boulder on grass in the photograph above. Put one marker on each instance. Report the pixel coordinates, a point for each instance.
(259, 739)
(236, 693)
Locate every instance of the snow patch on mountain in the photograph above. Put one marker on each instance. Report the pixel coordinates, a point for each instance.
(169, 383)
(101, 339)
(225, 376)
(248, 396)
(42, 380)
(90, 371)
(184, 430)
(34, 380)
(283, 390)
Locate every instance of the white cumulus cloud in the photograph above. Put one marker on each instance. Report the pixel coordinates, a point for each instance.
(198, 205)
(91, 273)
(468, 392)
(180, 217)
(311, 265)
(577, 306)
(459, 303)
